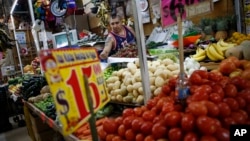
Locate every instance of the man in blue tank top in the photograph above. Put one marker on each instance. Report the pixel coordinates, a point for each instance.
(119, 37)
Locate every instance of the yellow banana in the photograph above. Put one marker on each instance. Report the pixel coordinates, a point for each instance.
(209, 55)
(223, 43)
(214, 53)
(199, 52)
(200, 58)
(218, 49)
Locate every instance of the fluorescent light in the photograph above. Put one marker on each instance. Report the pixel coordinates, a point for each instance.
(13, 7)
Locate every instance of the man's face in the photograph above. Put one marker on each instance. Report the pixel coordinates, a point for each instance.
(115, 25)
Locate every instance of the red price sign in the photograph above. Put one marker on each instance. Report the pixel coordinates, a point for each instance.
(171, 8)
(64, 71)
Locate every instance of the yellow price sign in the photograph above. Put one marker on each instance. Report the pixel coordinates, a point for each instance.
(64, 71)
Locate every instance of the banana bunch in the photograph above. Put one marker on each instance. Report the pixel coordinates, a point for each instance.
(199, 55)
(216, 51)
(15, 89)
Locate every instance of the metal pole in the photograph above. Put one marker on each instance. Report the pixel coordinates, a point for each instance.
(17, 44)
(34, 33)
(140, 43)
(238, 15)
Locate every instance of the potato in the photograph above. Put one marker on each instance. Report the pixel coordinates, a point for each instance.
(149, 63)
(119, 72)
(137, 63)
(152, 88)
(115, 73)
(137, 78)
(140, 90)
(117, 92)
(140, 99)
(132, 67)
(172, 67)
(159, 81)
(152, 80)
(151, 69)
(112, 79)
(110, 86)
(175, 72)
(127, 99)
(137, 85)
(113, 98)
(135, 93)
(127, 81)
(156, 63)
(116, 85)
(126, 74)
(119, 98)
(167, 61)
(130, 88)
(157, 91)
(161, 73)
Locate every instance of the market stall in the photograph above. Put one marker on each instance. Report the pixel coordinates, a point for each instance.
(184, 82)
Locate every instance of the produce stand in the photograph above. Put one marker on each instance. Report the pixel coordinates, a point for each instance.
(46, 120)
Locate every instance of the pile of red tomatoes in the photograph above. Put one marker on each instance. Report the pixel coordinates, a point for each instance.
(215, 102)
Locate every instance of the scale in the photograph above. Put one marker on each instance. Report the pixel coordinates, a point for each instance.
(58, 7)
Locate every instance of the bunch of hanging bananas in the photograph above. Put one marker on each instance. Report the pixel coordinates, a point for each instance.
(214, 51)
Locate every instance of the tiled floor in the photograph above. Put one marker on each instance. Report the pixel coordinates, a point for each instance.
(16, 134)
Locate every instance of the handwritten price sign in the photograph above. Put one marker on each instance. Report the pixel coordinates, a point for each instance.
(171, 8)
(64, 71)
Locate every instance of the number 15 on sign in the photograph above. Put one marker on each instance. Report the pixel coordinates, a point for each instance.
(64, 71)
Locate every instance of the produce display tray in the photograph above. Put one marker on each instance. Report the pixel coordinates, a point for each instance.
(49, 121)
(126, 104)
(210, 65)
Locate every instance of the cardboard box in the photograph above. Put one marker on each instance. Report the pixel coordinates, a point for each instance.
(37, 124)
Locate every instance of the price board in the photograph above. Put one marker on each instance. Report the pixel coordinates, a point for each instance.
(171, 8)
(65, 70)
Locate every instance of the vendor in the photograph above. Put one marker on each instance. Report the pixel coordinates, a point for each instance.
(119, 37)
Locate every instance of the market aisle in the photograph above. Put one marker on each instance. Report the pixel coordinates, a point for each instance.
(16, 134)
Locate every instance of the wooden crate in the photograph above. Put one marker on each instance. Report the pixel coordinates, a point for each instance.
(210, 65)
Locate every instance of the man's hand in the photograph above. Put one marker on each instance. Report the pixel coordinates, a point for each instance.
(107, 47)
(104, 55)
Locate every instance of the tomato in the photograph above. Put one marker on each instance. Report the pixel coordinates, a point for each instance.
(175, 134)
(190, 136)
(109, 137)
(151, 103)
(118, 120)
(245, 94)
(121, 130)
(101, 133)
(232, 103)
(127, 121)
(213, 109)
(197, 77)
(138, 111)
(219, 90)
(139, 137)
(226, 67)
(216, 77)
(117, 138)
(222, 134)
(206, 125)
(197, 108)
(246, 74)
(128, 112)
(187, 122)
(228, 121)
(159, 131)
(241, 102)
(149, 138)
(239, 82)
(230, 90)
(234, 60)
(167, 107)
(136, 124)
(148, 115)
(146, 127)
(208, 138)
(244, 114)
(166, 89)
(159, 119)
(245, 64)
(172, 82)
(224, 109)
(199, 96)
(172, 118)
(178, 107)
(130, 135)
(238, 117)
(110, 126)
(193, 88)
(215, 97)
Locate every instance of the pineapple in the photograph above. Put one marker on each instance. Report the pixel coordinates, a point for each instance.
(207, 26)
(221, 27)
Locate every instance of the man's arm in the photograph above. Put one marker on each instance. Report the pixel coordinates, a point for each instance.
(132, 30)
(107, 47)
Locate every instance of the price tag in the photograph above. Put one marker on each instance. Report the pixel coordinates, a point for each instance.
(64, 71)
